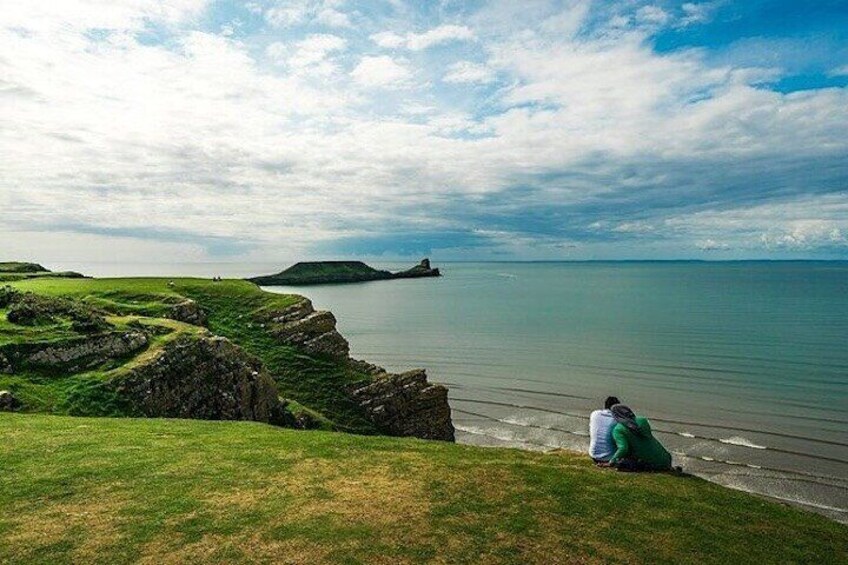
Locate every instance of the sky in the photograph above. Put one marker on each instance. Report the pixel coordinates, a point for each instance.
(274, 130)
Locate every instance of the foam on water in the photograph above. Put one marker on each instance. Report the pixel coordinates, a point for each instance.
(741, 441)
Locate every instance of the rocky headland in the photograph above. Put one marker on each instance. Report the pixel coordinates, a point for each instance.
(338, 272)
(160, 354)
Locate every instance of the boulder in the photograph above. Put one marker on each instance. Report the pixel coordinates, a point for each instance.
(8, 401)
(207, 378)
(406, 405)
(5, 365)
(188, 311)
(299, 325)
(76, 354)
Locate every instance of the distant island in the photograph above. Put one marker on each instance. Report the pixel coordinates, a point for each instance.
(17, 270)
(329, 272)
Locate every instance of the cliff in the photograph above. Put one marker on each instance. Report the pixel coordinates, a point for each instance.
(398, 405)
(191, 348)
(339, 272)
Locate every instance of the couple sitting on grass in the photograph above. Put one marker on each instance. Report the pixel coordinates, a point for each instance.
(622, 440)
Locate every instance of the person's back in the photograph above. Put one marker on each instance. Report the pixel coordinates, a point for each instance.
(601, 446)
(640, 445)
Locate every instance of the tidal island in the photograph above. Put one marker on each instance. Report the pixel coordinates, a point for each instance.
(338, 272)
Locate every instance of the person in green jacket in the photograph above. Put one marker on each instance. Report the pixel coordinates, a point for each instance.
(636, 448)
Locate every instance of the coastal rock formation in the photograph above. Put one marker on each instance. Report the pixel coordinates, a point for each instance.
(301, 326)
(399, 405)
(28, 309)
(8, 401)
(74, 354)
(189, 312)
(422, 269)
(406, 405)
(337, 272)
(5, 365)
(207, 378)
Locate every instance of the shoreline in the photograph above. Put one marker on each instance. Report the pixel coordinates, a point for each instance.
(834, 513)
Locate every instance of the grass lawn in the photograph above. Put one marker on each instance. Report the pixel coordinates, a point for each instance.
(106, 490)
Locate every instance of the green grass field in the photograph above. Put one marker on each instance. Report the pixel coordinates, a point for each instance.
(103, 490)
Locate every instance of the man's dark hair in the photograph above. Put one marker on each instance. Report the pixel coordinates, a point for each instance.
(608, 403)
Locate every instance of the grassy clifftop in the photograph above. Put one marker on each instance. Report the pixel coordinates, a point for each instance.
(122, 490)
(234, 310)
(336, 272)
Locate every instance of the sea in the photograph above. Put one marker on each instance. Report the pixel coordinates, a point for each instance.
(741, 367)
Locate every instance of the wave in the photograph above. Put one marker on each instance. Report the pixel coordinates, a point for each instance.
(678, 422)
(739, 440)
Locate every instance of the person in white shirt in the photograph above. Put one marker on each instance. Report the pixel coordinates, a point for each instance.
(601, 422)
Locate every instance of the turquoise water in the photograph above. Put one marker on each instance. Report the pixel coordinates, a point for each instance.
(741, 367)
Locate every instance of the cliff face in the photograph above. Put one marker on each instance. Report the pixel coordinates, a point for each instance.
(206, 378)
(71, 354)
(398, 405)
(407, 405)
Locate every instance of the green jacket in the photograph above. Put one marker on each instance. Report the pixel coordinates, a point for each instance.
(644, 447)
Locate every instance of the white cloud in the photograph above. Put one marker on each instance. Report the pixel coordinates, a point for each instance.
(287, 13)
(839, 71)
(194, 138)
(712, 245)
(381, 71)
(697, 13)
(420, 41)
(653, 15)
(469, 72)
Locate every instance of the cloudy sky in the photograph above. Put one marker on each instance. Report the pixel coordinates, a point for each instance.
(202, 130)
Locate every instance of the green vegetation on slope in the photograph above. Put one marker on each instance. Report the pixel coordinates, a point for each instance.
(122, 490)
(17, 270)
(233, 308)
(21, 267)
(322, 272)
(334, 272)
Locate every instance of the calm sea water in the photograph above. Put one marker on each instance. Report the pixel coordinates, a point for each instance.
(741, 367)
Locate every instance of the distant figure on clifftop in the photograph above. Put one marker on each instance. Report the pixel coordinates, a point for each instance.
(601, 423)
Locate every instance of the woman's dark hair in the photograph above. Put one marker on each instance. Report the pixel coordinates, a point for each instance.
(610, 401)
(625, 416)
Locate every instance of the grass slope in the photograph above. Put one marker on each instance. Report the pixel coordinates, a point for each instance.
(159, 491)
(232, 307)
(324, 272)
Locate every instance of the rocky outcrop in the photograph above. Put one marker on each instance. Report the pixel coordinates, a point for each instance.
(406, 405)
(301, 326)
(8, 401)
(5, 365)
(207, 378)
(422, 269)
(189, 312)
(29, 309)
(74, 354)
(399, 405)
(338, 272)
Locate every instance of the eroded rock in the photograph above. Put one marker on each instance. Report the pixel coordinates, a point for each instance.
(8, 401)
(74, 354)
(207, 378)
(189, 312)
(299, 325)
(406, 405)
(5, 365)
